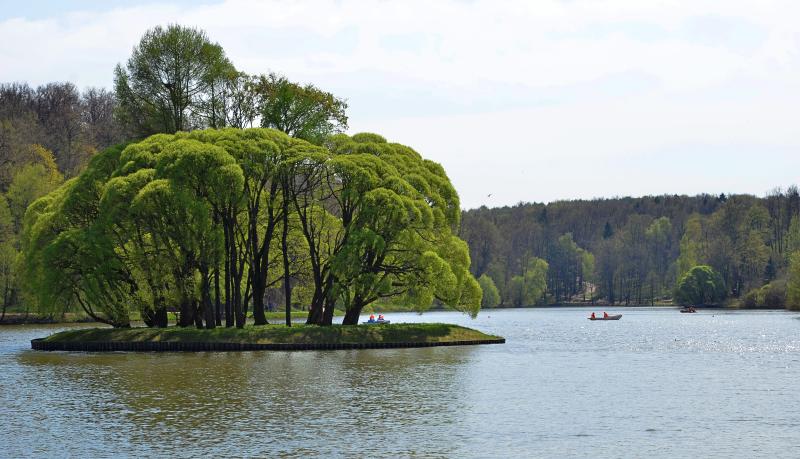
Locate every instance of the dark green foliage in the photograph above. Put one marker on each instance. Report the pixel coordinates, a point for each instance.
(700, 286)
(304, 112)
(168, 83)
(771, 296)
(637, 248)
(607, 231)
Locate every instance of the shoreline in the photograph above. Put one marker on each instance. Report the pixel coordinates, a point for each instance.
(268, 337)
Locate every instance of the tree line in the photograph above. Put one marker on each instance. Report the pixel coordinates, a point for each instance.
(198, 213)
(643, 250)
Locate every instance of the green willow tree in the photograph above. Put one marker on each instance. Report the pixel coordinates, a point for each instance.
(491, 296)
(157, 225)
(529, 288)
(380, 222)
(699, 286)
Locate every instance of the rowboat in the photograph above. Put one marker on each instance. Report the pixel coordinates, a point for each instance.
(614, 317)
(689, 310)
(375, 322)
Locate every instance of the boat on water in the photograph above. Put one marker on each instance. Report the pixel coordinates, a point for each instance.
(609, 317)
(374, 322)
(690, 309)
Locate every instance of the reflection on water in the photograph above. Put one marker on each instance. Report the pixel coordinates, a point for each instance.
(656, 383)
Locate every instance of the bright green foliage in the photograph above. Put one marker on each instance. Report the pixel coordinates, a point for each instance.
(491, 296)
(587, 266)
(700, 285)
(529, 289)
(793, 282)
(396, 235)
(154, 225)
(690, 246)
(29, 182)
(516, 291)
(535, 280)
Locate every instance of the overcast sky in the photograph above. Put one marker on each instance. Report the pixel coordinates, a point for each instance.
(524, 100)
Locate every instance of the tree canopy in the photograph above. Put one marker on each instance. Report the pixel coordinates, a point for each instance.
(168, 84)
(305, 112)
(699, 286)
(154, 224)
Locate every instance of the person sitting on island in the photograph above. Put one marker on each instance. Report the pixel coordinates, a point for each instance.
(605, 315)
(593, 317)
(371, 318)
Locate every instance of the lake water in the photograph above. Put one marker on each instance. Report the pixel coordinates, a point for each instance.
(655, 384)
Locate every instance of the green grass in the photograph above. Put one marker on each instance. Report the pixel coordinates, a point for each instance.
(269, 334)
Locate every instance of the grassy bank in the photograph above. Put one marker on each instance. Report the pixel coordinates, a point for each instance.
(272, 334)
(15, 318)
(21, 318)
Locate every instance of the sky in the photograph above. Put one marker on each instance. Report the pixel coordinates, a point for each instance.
(520, 101)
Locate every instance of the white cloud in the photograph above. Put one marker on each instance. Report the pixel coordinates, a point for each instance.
(539, 99)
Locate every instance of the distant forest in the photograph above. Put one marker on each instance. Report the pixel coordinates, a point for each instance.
(47, 134)
(636, 251)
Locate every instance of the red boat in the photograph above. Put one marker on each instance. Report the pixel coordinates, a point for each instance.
(614, 317)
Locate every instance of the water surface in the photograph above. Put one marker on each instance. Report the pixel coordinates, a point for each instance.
(654, 384)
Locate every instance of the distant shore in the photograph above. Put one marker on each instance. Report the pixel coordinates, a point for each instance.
(278, 317)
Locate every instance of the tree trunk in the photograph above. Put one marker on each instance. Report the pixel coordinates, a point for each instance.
(186, 313)
(259, 286)
(327, 316)
(287, 285)
(228, 282)
(217, 304)
(351, 316)
(6, 298)
(258, 279)
(206, 306)
(161, 319)
(148, 317)
(317, 306)
(198, 316)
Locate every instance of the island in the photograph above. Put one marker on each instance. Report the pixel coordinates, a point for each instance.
(264, 337)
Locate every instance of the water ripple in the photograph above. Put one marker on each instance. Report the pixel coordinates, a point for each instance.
(654, 384)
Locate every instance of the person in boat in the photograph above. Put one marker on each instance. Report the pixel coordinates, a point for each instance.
(605, 315)
(380, 317)
(592, 316)
(371, 318)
